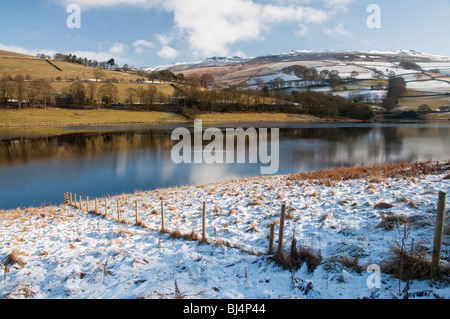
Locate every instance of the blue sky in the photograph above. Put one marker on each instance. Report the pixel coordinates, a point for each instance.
(154, 32)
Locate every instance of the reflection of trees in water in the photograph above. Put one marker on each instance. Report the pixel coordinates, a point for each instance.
(81, 144)
(321, 144)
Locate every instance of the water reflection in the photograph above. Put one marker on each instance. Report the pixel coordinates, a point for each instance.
(39, 170)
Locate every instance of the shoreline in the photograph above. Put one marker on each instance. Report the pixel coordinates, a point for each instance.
(13, 116)
(373, 173)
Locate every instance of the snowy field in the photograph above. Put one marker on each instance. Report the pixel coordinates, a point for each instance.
(430, 86)
(68, 253)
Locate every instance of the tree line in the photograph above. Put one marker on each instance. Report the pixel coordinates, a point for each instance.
(189, 98)
(71, 58)
(17, 90)
(196, 100)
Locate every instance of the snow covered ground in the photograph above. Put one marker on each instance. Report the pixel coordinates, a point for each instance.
(63, 252)
(430, 86)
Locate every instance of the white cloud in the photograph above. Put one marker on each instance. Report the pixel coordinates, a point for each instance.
(118, 48)
(167, 52)
(89, 4)
(212, 27)
(141, 45)
(21, 50)
(303, 30)
(338, 30)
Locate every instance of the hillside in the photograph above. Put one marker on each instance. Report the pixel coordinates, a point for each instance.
(430, 84)
(62, 74)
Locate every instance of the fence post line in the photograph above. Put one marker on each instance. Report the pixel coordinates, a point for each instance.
(204, 222)
(272, 232)
(280, 237)
(162, 217)
(437, 245)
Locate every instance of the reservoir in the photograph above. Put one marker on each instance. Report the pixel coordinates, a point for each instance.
(36, 169)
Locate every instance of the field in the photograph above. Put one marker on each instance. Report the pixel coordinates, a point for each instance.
(337, 224)
(13, 64)
(62, 117)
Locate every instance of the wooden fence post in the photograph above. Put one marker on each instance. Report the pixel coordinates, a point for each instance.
(437, 245)
(204, 223)
(87, 204)
(81, 203)
(75, 205)
(272, 232)
(280, 237)
(163, 227)
(118, 210)
(137, 217)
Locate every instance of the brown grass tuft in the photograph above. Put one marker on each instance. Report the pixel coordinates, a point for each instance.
(410, 265)
(389, 221)
(383, 205)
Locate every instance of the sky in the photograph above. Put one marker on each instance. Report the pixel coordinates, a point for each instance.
(144, 33)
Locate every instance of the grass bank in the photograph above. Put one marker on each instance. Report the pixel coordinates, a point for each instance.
(61, 117)
(54, 118)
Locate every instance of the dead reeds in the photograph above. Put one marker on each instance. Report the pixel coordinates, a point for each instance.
(377, 173)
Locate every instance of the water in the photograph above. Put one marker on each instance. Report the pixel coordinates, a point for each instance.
(99, 161)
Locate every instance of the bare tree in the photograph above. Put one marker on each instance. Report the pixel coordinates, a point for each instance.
(20, 87)
(98, 74)
(131, 94)
(108, 93)
(91, 92)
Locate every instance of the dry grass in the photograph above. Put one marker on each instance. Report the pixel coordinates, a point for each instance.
(351, 263)
(390, 221)
(410, 265)
(377, 173)
(13, 259)
(295, 257)
(383, 205)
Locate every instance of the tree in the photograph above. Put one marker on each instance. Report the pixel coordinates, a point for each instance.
(6, 89)
(333, 78)
(108, 93)
(91, 92)
(39, 91)
(424, 109)
(397, 87)
(354, 75)
(150, 94)
(131, 94)
(77, 94)
(98, 74)
(206, 80)
(389, 104)
(111, 63)
(260, 83)
(20, 88)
